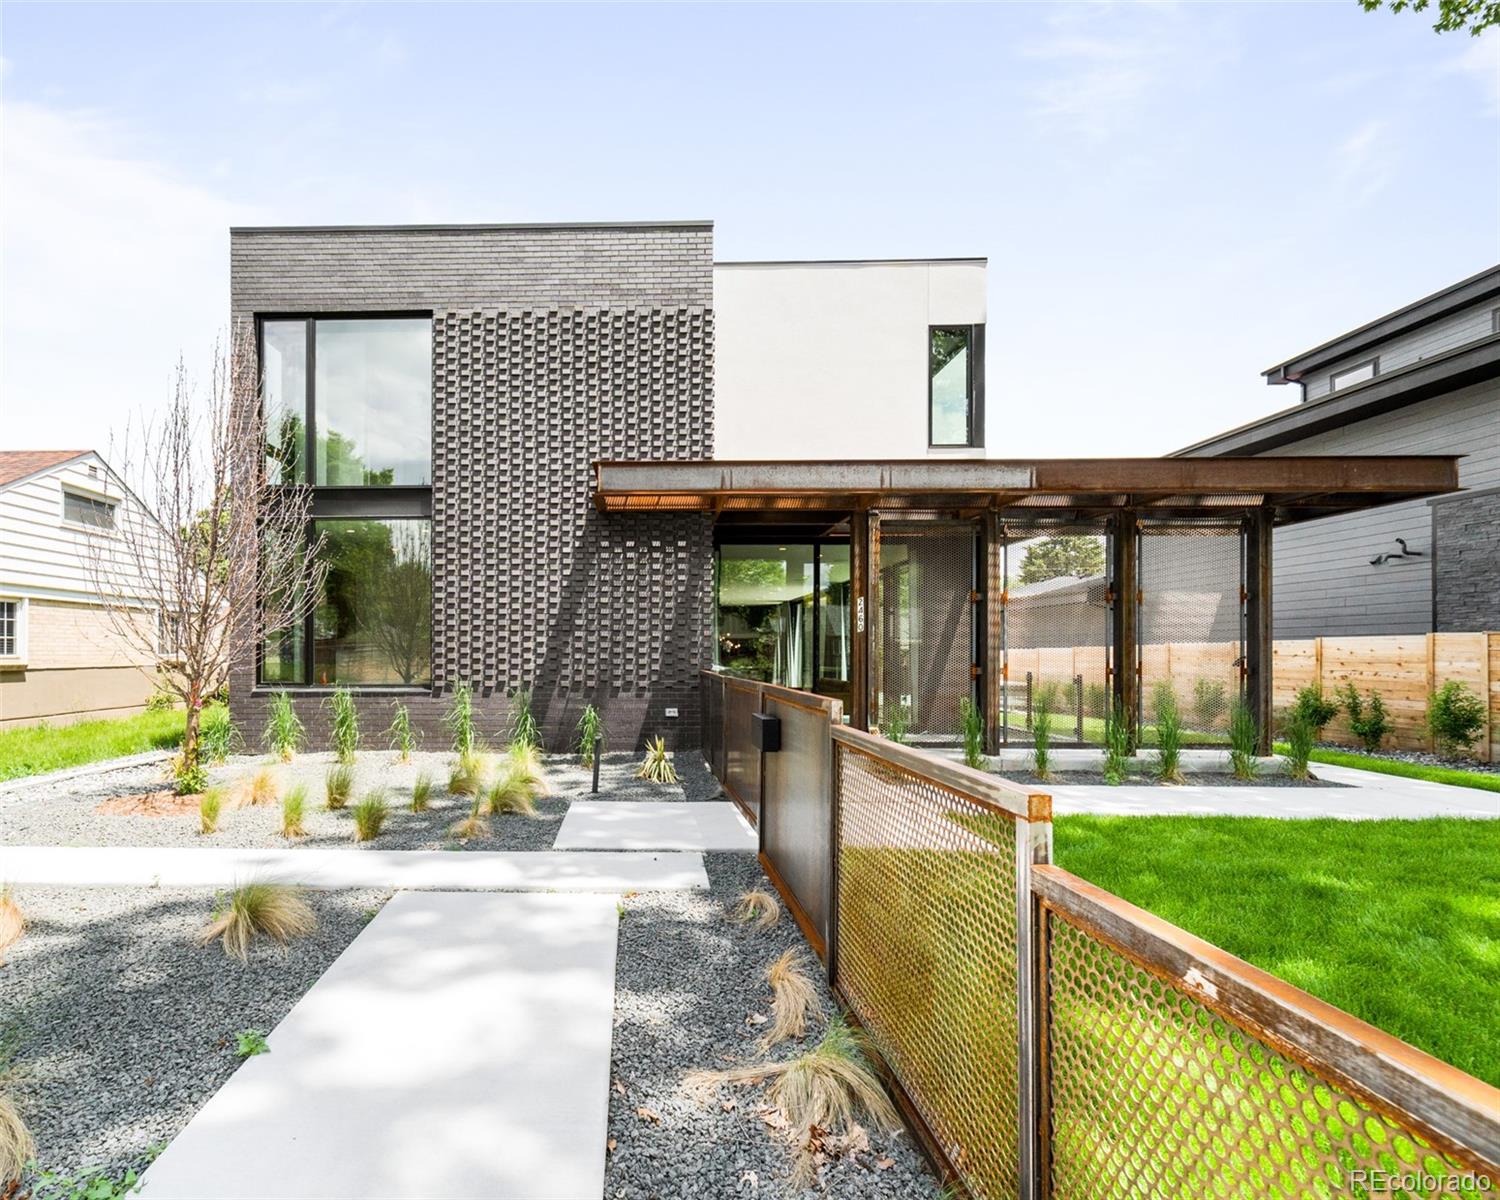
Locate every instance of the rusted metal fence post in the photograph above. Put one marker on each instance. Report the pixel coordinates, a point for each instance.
(1033, 848)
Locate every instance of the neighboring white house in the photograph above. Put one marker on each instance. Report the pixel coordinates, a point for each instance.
(62, 657)
(874, 360)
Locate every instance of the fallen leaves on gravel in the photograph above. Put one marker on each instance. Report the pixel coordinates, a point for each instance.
(648, 1114)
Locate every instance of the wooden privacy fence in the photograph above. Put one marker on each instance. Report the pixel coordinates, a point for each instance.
(1045, 1038)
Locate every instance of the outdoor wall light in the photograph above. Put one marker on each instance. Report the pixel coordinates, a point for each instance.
(765, 732)
(1405, 553)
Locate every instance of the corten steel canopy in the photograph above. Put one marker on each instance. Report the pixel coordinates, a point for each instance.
(1291, 489)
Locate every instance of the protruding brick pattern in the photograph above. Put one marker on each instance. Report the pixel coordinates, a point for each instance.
(1467, 529)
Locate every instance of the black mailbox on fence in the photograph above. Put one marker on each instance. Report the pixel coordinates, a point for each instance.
(765, 732)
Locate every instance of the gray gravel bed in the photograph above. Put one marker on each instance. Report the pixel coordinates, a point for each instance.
(686, 979)
(1275, 779)
(123, 1026)
(1420, 756)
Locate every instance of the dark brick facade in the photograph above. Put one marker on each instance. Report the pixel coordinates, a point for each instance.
(1466, 571)
(552, 347)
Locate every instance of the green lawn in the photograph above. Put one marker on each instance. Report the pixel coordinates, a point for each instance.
(1397, 922)
(1457, 776)
(33, 749)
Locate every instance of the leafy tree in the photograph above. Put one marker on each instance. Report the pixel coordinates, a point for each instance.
(1063, 554)
(1453, 15)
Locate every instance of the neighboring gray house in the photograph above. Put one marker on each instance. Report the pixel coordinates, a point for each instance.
(1422, 380)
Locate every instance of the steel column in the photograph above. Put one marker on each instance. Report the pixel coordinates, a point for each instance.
(1125, 680)
(991, 641)
(1258, 544)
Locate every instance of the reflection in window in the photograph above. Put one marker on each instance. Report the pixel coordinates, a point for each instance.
(949, 378)
(373, 391)
(1359, 373)
(374, 624)
(284, 367)
(85, 510)
(834, 638)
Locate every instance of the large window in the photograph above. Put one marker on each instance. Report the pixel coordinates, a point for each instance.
(955, 382)
(349, 411)
(782, 614)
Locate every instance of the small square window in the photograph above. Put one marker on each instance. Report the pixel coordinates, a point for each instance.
(1349, 376)
(85, 510)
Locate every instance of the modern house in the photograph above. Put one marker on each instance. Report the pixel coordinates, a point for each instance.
(1424, 379)
(63, 656)
(586, 461)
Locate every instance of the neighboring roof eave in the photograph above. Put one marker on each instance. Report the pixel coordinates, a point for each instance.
(250, 230)
(69, 456)
(853, 262)
(1465, 292)
(1436, 376)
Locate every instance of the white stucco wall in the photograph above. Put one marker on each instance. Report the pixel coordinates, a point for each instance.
(829, 360)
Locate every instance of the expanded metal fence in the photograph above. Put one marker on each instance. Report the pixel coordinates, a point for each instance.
(1045, 1038)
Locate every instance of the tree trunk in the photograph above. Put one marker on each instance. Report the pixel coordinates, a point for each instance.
(192, 754)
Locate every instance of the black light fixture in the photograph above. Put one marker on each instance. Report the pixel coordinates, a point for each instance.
(1405, 553)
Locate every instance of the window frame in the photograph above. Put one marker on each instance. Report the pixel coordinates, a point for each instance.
(18, 655)
(1333, 376)
(348, 502)
(974, 417)
(110, 503)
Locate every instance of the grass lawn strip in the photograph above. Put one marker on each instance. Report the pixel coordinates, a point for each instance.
(1484, 780)
(35, 749)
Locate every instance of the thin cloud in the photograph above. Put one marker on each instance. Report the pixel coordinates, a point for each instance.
(1365, 161)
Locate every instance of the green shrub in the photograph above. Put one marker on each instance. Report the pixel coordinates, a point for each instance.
(369, 815)
(1313, 708)
(898, 728)
(1244, 741)
(421, 793)
(217, 736)
(1162, 696)
(1118, 746)
(590, 729)
(1041, 741)
(460, 720)
(1301, 735)
(403, 737)
(160, 700)
(188, 780)
(344, 724)
(1368, 719)
(971, 724)
(1210, 698)
(523, 730)
(1168, 737)
(293, 806)
(1047, 694)
(338, 785)
(283, 736)
(1455, 715)
(1095, 700)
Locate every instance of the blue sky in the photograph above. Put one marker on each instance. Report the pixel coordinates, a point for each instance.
(1172, 197)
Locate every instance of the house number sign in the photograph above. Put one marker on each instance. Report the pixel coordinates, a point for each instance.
(859, 614)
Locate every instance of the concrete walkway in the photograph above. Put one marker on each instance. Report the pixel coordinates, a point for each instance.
(655, 825)
(458, 1050)
(1369, 796)
(542, 870)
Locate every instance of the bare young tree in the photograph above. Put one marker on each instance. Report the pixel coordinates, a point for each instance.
(218, 558)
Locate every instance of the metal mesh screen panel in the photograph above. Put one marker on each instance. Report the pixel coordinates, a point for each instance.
(1055, 633)
(1152, 1094)
(925, 643)
(926, 956)
(1191, 628)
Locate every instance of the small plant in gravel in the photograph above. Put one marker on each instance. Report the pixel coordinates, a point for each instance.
(263, 788)
(1117, 746)
(343, 724)
(472, 826)
(1368, 720)
(210, 806)
(12, 919)
(187, 780)
(466, 778)
(899, 726)
(276, 910)
(794, 1000)
(369, 815)
(1300, 735)
(525, 760)
(971, 725)
(590, 729)
(421, 793)
(1455, 717)
(250, 1042)
(338, 786)
(757, 907)
(284, 732)
(658, 766)
(512, 792)
(403, 736)
(826, 1088)
(523, 728)
(1314, 708)
(293, 807)
(1244, 738)
(1041, 743)
(1168, 738)
(460, 720)
(92, 1184)
(16, 1146)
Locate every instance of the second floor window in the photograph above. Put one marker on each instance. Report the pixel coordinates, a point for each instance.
(1359, 373)
(955, 373)
(351, 397)
(85, 510)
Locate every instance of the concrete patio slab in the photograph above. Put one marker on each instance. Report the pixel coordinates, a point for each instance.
(1369, 796)
(446, 870)
(655, 825)
(457, 1050)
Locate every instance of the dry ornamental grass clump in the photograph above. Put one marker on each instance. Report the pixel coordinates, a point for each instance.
(472, 826)
(421, 793)
(263, 788)
(512, 792)
(794, 1000)
(277, 910)
(758, 907)
(369, 816)
(293, 805)
(338, 785)
(16, 1145)
(467, 776)
(12, 920)
(210, 806)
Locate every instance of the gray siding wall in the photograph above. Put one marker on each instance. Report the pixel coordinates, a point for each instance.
(1324, 583)
(1439, 337)
(552, 348)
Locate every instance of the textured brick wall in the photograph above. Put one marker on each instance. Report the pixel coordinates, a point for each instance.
(1467, 570)
(551, 348)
